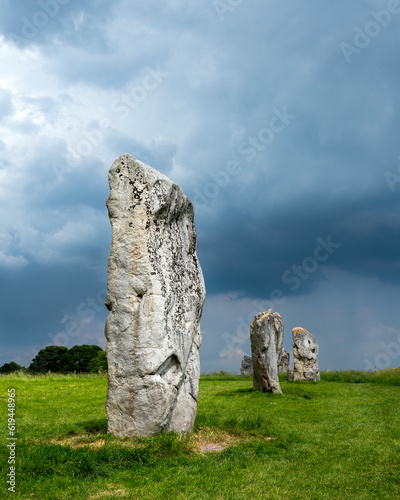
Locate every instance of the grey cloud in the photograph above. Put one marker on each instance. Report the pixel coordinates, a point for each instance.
(323, 174)
(39, 23)
(6, 104)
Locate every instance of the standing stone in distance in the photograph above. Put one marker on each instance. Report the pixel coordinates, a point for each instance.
(246, 367)
(305, 355)
(284, 361)
(266, 335)
(155, 296)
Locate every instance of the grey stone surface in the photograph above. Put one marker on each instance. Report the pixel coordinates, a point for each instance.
(305, 355)
(155, 296)
(289, 374)
(284, 361)
(266, 335)
(246, 368)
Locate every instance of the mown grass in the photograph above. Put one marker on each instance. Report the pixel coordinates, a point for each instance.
(339, 438)
(387, 377)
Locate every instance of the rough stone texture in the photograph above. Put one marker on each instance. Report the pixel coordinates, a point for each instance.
(155, 296)
(246, 367)
(266, 335)
(284, 361)
(305, 355)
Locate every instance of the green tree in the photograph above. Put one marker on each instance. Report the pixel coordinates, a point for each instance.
(10, 367)
(78, 358)
(48, 359)
(99, 363)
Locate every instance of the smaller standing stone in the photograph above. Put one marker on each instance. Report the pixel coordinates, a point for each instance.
(305, 355)
(284, 363)
(266, 335)
(289, 373)
(246, 367)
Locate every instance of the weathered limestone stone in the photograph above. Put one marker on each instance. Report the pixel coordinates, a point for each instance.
(289, 374)
(266, 335)
(284, 361)
(246, 367)
(305, 355)
(155, 296)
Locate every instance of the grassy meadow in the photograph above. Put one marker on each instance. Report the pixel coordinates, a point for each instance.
(337, 439)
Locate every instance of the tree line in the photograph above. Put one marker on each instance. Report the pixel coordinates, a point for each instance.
(60, 359)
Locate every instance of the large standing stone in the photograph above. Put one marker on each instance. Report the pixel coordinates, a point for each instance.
(266, 335)
(305, 355)
(155, 296)
(283, 364)
(246, 368)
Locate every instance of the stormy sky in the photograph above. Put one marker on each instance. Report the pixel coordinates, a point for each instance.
(280, 120)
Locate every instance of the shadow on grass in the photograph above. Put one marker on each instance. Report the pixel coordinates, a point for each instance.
(247, 392)
(95, 426)
(228, 393)
(64, 460)
(300, 395)
(291, 392)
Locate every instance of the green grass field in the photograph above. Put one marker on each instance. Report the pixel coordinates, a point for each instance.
(336, 439)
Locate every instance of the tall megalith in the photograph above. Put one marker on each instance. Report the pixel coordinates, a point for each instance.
(155, 296)
(305, 355)
(266, 336)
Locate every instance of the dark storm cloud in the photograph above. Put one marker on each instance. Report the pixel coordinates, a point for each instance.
(54, 301)
(280, 138)
(251, 254)
(40, 22)
(158, 153)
